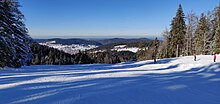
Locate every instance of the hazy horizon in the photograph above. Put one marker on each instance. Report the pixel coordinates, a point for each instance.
(96, 37)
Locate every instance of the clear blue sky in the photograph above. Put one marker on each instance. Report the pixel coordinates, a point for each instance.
(105, 18)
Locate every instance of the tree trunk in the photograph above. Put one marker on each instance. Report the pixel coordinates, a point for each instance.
(187, 47)
(177, 50)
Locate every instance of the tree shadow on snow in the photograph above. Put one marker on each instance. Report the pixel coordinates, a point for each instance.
(199, 85)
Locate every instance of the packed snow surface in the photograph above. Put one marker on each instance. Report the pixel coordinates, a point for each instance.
(169, 81)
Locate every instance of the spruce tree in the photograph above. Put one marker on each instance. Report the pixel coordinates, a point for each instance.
(178, 31)
(14, 33)
(217, 31)
(211, 32)
(20, 35)
(201, 35)
(8, 52)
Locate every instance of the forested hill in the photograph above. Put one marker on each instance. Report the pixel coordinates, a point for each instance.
(69, 41)
(97, 42)
(122, 40)
(44, 55)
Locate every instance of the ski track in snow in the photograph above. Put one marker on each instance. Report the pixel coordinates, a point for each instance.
(169, 81)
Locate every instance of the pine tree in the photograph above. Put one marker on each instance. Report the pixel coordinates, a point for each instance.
(2, 41)
(3, 53)
(178, 31)
(20, 35)
(8, 52)
(211, 33)
(202, 35)
(217, 31)
(14, 33)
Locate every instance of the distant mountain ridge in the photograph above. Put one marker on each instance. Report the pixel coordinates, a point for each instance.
(122, 40)
(69, 41)
(92, 42)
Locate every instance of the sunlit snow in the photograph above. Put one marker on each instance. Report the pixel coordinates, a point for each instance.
(169, 81)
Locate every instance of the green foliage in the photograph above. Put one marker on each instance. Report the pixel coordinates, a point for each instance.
(112, 57)
(192, 20)
(149, 52)
(13, 35)
(178, 31)
(43, 55)
(142, 52)
(201, 36)
(50, 56)
(155, 49)
(217, 32)
(83, 58)
(166, 51)
(128, 44)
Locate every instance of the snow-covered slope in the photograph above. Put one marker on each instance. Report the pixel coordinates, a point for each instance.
(169, 81)
(71, 49)
(124, 48)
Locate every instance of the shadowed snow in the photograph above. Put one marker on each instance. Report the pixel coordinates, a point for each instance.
(169, 81)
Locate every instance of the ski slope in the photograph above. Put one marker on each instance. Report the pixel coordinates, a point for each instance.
(169, 81)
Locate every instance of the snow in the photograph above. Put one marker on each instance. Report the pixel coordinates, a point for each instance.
(50, 42)
(131, 49)
(120, 48)
(71, 49)
(169, 81)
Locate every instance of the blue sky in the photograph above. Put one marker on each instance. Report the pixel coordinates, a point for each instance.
(105, 18)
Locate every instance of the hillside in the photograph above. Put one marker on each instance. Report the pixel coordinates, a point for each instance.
(69, 41)
(126, 45)
(122, 40)
(169, 81)
(97, 42)
(73, 46)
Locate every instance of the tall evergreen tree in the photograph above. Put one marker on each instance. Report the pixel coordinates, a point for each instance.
(217, 31)
(178, 31)
(14, 33)
(211, 32)
(8, 52)
(202, 35)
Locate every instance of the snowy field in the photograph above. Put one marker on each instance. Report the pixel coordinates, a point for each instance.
(71, 49)
(124, 48)
(170, 81)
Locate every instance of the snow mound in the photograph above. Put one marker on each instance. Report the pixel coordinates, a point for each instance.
(169, 81)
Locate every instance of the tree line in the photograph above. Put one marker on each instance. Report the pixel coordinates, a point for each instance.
(17, 48)
(44, 55)
(188, 35)
(192, 35)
